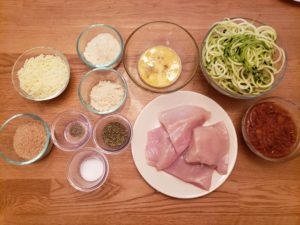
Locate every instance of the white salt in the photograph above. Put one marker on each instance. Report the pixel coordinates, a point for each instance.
(91, 169)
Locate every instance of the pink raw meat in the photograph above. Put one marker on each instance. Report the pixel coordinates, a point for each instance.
(210, 145)
(179, 122)
(160, 152)
(196, 174)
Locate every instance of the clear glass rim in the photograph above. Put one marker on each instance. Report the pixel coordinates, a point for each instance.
(99, 121)
(231, 94)
(49, 97)
(245, 136)
(161, 90)
(57, 119)
(101, 182)
(101, 66)
(43, 150)
(90, 73)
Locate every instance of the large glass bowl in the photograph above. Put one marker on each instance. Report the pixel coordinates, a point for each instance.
(34, 52)
(7, 133)
(277, 77)
(167, 34)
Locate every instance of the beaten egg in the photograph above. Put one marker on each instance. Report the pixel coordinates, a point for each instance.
(159, 66)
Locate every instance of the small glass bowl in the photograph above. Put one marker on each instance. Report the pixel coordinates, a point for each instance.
(292, 109)
(92, 31)
(277, 78)
(98, 129)
(71, 130)
(34, 52)
(92, 78)
(74, 171)
(7, 133)
(167, 34)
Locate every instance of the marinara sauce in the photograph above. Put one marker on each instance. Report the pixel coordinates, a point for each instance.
(271, 130)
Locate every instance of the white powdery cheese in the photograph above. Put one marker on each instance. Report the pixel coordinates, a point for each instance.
(43, 76)
(102, 49)
(106, 95)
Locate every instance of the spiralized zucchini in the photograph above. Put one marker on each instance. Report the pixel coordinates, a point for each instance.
(242, 58)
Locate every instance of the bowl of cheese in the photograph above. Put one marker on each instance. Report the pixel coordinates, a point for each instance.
(41, 73)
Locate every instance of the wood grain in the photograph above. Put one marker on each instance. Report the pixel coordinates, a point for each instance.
(257, 192)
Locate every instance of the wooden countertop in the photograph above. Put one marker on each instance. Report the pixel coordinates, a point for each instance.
(257, 192)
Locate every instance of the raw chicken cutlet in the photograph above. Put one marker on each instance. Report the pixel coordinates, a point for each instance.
(210, 146)
(180, 121)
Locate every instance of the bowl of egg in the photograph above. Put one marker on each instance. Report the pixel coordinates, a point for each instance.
(161, 56)
(41, 73)
(241, 58)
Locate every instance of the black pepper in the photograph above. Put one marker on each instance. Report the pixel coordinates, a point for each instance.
(76, 130)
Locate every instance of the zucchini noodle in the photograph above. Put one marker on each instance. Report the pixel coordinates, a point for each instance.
(242, 58)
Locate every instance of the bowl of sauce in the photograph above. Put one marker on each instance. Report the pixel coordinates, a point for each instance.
(271, 129)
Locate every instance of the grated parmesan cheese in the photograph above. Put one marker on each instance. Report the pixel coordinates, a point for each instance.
(43, 76)
(106, 95)
(102, 49)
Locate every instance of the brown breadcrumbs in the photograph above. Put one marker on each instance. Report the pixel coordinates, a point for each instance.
(29, 139)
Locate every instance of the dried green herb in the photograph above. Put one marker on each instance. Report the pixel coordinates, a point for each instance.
(115, 134)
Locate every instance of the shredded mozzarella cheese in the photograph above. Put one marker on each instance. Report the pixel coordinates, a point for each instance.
(43, 76)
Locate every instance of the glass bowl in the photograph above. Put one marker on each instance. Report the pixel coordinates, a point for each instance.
(71, 130)
(15, 148)
(161, 33)
(91, 32)
(91, 79)
(34, 52)
(277, 78)
(271, 129)
(87, 170)
(101, 127)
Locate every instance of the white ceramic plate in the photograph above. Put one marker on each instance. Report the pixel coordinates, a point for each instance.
(148, 119)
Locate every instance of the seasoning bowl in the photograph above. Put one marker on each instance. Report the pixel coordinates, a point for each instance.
(71, 130)
(85, 38)
(112, 134)
(271, 129)
(87, 170)
(28, 55)
(219, 86)
(170, 36)
(94, 98)
(24, 139)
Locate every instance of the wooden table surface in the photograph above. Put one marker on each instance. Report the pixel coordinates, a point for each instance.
(257, 192)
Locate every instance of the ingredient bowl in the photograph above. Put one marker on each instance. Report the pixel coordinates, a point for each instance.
(71, 130)
(24, 139)
(161, 56)
(41, 73)
(100, 46)
(241, 58)
(102, 91)
(112, 134)
(271, 129)
(87, 170)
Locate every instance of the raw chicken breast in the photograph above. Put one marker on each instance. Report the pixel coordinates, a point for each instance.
(210, 145)
(196, 174)
(160, 152)
(179, 122)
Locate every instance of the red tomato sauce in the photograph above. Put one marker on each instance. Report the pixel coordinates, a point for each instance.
(271, 130)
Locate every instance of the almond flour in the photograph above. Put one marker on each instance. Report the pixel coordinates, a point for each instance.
(102, 49)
